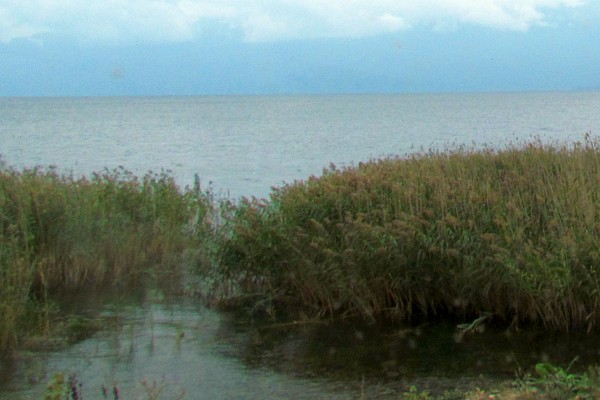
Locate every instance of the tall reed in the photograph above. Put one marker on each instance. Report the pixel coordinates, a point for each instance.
(511, 231)
(60, 233)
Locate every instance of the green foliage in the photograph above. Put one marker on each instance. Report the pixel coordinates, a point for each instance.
(59, 233)
(57, 388)
(414, 394)
(61, 388)
(553, 382)
(512, 232)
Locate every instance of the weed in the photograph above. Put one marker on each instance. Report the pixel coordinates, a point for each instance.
(414, 394)
(61, 388)
(554, 382)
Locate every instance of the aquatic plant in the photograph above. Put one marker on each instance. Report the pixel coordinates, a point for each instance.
(548, 381)
(60, 233)
(60, 388)
(455, 233)
(414, 394)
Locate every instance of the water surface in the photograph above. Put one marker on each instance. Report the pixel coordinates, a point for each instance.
(246, 144)
(183, 348)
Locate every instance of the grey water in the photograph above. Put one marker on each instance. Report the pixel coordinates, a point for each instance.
(175, 348)
(179, 350)
(242, 146)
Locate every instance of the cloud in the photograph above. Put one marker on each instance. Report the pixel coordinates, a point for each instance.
(260, 20)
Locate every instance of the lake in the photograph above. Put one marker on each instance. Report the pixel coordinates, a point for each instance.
(242, 146)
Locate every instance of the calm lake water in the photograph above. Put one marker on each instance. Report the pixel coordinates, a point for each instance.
(244, 145)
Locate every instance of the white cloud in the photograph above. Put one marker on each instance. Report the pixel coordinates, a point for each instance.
(392, 22)
(260, 20)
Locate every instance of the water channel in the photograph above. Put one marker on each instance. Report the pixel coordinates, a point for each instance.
(151, 344)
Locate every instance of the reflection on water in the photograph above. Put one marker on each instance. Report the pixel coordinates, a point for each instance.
(430, 356)
(177, 348)
(184, 348)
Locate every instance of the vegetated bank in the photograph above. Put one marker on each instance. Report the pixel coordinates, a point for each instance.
(513, 232)
(454, 233)
(63, 234)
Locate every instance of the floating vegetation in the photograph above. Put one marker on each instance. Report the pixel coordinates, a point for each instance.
(461, 233)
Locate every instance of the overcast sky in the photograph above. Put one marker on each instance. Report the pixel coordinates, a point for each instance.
(174, 47)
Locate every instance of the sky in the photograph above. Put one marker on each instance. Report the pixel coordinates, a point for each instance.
(221, 47)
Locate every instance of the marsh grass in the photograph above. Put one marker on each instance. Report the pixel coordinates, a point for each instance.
(512, 232)
(59, 234)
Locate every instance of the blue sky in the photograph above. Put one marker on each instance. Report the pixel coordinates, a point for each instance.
(195, 47)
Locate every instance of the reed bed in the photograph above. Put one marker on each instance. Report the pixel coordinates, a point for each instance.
(441, 234)
(59, 233)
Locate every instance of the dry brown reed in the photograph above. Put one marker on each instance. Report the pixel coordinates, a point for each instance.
(511, 231)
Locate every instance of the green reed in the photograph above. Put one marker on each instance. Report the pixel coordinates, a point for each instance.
(512, 231)
(59, 233)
